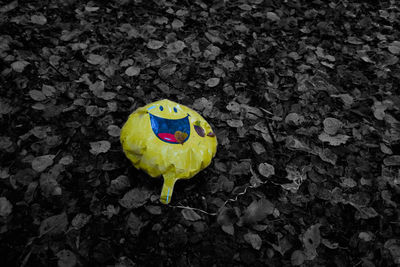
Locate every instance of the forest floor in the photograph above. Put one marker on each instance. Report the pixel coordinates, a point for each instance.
(303, 96)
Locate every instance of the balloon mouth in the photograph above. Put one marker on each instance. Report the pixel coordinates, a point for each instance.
(165, 129)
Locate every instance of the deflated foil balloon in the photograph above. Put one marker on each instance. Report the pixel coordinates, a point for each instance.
(168, 139)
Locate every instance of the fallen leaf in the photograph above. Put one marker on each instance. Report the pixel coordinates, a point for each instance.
(254, 240)
(49, 186)
(393, 245)
(190, 215)
(110, 211)
(367, 212)
(214, 36)
(114, 130)
(385, 149)
(94, 111)
(394, 48)
(296, 173)
(19, 66)
(118, 185)
(255, 181)
(211, 134)
(6, 144)
(211, 53)
(294, 55)
(258, 211)
(54, 225)
(379, 110)
(292, 187)
(48, 90)
(154, 210)
(225, 184)
(348, 183)
(295, 144)
(126, 62)
(234, 107)
(134, 224)
(336, 140)
(40, 131)
(107, 95)
(273, 16)
(202, 104)
(38, 19)
(366, 236)
(96, 59)
(294, 119)
(37, 95)
(5, 107)
(4, 173)
(167, 70)
(97, 87)
(297, 258)
(229, 229)
(8, 7)
(245, 7)
(227, 216)
(5, 207)
(311, 241)
(132, 71)
(266, 169)
(154, 44)
(327, 155)
(258, 148)
(41, 163)
(329, 244)
(241, 168)
(99, 147)
(283, 246)
(332, 126)
(212, 82)
(30, 191)
(125, 262)
(235, 123)
(135, 198)
(80, 220)
(180, 137)
(392, 160)
(177, 24)
(70, 35)
(347, 99)
(175, 47)
(199, 130)
(354, 40)
(66, 258)
(91, 8)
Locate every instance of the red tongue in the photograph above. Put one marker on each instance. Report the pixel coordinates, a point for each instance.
(167, 137)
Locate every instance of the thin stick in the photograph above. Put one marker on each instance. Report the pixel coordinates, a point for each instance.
(226, 202)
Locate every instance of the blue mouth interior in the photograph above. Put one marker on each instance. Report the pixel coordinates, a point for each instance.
(168, 126)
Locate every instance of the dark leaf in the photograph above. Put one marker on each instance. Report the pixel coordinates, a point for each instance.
(211, 134)
(180, 137)
(258, 211)
(190, 215)
(135, 198)
(199, 130)
(54, 225)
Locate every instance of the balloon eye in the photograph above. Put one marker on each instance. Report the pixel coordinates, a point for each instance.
(175, 110)
(161, 108)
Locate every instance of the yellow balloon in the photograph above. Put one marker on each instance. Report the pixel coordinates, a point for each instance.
(168, 139)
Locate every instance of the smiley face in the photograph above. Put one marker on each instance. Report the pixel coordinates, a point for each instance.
(167, 139)
(166, 129)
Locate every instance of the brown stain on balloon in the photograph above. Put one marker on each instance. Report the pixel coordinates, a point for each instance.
(180, 137)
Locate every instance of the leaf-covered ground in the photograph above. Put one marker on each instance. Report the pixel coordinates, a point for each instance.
(303, 97)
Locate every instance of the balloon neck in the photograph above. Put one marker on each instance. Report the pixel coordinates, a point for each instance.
(167, 190)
